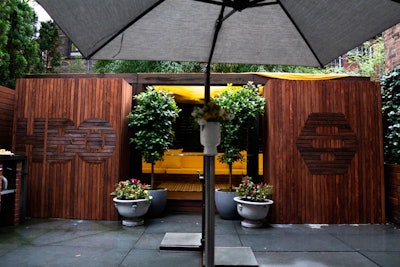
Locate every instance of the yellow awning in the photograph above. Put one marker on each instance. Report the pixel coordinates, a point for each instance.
(191, 94)
(195, 94)
(300, 76)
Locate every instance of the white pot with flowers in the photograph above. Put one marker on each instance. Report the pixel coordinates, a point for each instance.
(209, 118)
(132, 200)
(253, 202)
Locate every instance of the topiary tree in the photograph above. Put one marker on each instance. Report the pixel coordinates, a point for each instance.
(19, 52)
(49, 42)
(245, 104)
(152, 119)
(390, 84)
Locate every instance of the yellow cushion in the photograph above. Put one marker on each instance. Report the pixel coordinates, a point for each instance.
(221, 165)
(174, 151)
(157, 165)
(239, 164)
(171, 160)
(192, 162)
(191, 171)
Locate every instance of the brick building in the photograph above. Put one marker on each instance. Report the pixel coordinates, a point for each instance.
(391, 39)
(71, 58)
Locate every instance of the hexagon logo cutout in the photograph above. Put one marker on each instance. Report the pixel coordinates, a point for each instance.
(327, 143)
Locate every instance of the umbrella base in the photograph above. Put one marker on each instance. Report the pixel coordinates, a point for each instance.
(181, 241)
(235, 256)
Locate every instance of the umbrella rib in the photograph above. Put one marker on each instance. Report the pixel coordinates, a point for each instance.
(301, 33)
(239, 5)
(258, 3)
(218, 25)
(123, 29)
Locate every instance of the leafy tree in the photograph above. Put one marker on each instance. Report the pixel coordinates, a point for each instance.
(152, 119)
(237, 68)
(4, 29)
(19, 54)
(368, 61)
(245, 104)
(49, 41)
(129, 66)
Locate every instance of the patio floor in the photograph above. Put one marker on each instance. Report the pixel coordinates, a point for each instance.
(57, 242)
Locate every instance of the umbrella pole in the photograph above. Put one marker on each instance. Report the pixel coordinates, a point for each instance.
(209, 248)
(209, 167)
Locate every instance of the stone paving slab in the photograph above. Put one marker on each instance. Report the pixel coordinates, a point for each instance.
(57, 242)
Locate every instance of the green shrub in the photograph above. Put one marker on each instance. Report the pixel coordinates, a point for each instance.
(152, 120)
(390, 84)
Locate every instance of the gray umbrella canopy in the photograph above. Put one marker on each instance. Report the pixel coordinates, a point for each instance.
(285, 32)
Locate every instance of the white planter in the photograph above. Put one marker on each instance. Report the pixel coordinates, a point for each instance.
(132, 210)
(253, 212)
(210, 136)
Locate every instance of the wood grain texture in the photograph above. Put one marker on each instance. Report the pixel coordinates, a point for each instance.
(73, 131)
(324, 151)
(7, 101)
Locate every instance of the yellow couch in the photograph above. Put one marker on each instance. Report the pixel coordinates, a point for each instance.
(178, 162)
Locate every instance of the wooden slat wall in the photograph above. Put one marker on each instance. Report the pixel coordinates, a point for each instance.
(7, 101)
(74, 132)
(324, 151)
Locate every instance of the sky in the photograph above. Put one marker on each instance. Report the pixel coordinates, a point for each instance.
(40, 12)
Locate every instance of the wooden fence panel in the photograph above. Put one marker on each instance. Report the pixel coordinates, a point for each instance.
(7, 101)
(324, 151)
(74, 133)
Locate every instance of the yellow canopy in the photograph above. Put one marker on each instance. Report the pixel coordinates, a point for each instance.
(300, 76)
(195, 94)
(191, 94)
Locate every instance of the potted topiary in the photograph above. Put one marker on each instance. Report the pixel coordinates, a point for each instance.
(132, 200)
(152, 119)
(390, 84)
(252, 202)
(245, 104)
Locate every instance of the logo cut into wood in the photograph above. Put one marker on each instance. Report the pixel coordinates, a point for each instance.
(59, 140)
(327, 143)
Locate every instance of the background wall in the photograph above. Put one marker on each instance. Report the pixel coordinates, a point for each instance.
(392, 47)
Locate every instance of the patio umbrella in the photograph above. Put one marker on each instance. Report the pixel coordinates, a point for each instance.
(284, 32)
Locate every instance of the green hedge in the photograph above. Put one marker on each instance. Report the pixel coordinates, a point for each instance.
(390, 84)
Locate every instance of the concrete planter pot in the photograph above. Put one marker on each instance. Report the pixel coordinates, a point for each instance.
(158, 202)
(225, 204)
(132, 210)
(253, 212)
